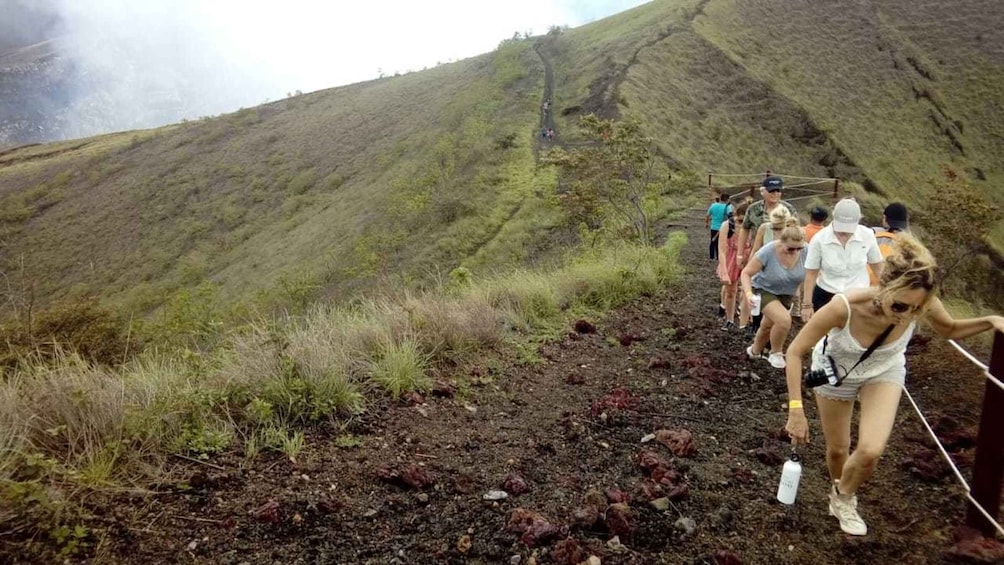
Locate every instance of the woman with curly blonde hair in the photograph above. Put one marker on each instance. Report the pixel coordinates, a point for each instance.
(863, 358)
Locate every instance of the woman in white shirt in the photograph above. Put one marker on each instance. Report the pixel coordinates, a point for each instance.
(838, 258)
(863, 358)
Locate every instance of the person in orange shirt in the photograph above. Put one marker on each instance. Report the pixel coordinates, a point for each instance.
(817, 216)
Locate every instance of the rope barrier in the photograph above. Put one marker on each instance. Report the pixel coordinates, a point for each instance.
(762, 175)
(969, 355)
(951, 463)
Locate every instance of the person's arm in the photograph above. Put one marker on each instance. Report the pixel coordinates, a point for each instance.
(746, 278)
(707, 218)
(813, 262)
(723, 251)
(741, 245)
(875, 259)
(758, 240)
(831, 316)
(950, 328)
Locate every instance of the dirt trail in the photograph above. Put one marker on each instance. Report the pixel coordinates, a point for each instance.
(572, 422)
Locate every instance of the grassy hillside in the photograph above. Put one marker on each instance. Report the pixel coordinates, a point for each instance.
(305, 193)
(396, 180)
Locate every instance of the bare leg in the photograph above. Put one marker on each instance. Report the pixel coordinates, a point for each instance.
(879, 403)
(730, 301)
(763, 334)
(780, 325)
(835, 417)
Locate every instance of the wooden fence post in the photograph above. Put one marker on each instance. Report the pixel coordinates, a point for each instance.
(988, 467)
(836, 188)
(709, 181)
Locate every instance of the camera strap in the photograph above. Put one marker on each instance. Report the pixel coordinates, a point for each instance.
(871, 349)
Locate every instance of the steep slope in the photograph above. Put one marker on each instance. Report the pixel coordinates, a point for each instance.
(314, 189)
(402, 178)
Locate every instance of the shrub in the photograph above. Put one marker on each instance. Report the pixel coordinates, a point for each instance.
(400, 367)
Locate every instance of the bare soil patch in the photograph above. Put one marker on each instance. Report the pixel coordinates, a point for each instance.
(546, 462)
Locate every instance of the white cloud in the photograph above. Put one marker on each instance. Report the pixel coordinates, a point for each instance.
(239, 53)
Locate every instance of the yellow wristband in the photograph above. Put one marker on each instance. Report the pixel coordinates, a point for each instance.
(792, 404)
(749, 293)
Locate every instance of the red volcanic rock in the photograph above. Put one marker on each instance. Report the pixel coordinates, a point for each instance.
(533, 527)
(584, 327)
(621, 520)
(568, 552)
(513, 483)
(679, 442)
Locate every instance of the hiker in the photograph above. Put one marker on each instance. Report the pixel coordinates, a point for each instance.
(817, 216)
(839, 257)
(771, 229)
(543, 133)
(775, 273)
(728, 270)
(867, 331)
(895, 219)
(718, 212)
(550, 134)
(770, 191)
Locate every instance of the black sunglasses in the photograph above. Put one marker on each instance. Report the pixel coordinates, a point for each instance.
(900, 307)
(794, 249)
(774, 190)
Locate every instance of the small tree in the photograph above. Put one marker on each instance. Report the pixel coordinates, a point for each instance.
(612, 182)
(957, 227)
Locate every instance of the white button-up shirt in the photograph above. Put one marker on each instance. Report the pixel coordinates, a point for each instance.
(841, 267)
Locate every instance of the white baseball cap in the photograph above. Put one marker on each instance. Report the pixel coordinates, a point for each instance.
(846, 215)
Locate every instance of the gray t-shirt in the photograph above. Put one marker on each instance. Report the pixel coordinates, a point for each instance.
(774, 277)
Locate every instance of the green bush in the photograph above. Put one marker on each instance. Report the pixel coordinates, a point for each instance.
(400, 367)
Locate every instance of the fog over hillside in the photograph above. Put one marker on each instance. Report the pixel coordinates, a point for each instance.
(106, 65)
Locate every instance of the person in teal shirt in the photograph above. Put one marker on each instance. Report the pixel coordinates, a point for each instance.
(718, 212)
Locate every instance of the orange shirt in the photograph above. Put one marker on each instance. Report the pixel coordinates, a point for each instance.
(810, 231)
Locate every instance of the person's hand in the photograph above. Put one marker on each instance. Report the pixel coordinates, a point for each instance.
(807, 312)
(797, 427)
(740, 259)
(998, 323)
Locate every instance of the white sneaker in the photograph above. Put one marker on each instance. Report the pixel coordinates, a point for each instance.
(845, 509)
(751, 355)
(776, 360)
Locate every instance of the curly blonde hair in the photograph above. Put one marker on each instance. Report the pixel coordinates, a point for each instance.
(779, 216)
(792, 232)
(909, 266)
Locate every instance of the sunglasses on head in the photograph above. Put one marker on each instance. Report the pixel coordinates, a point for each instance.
(901, 307)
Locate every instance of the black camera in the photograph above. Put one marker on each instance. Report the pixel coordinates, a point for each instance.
(828, 375)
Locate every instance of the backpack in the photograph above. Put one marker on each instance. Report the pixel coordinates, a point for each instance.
(885, 239)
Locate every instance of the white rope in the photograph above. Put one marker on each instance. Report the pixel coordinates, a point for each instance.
(969, 355)
(762, 175)
(951, 463)
(978, 363)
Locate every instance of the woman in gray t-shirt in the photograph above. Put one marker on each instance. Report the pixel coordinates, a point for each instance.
(775, 273)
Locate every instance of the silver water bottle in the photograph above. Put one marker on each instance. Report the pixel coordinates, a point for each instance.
(790, 475)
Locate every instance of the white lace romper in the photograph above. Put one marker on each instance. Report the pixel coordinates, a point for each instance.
(887, 364)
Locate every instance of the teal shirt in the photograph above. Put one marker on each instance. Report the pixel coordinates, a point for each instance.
(718, 211)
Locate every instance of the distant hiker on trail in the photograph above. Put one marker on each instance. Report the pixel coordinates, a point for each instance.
(839, 257)
(773, 276)
(895, 219)
(543, 133)
(547, 106)
(728, 270)
(550, 134)
(757, 213)
(866, 331)
(817, 216)
(718, 212)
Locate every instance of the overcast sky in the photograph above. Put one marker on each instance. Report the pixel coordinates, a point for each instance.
(143, 63)
(313, 44)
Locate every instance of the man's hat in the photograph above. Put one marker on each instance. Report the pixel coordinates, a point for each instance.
(773, 184)
(897, 216)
